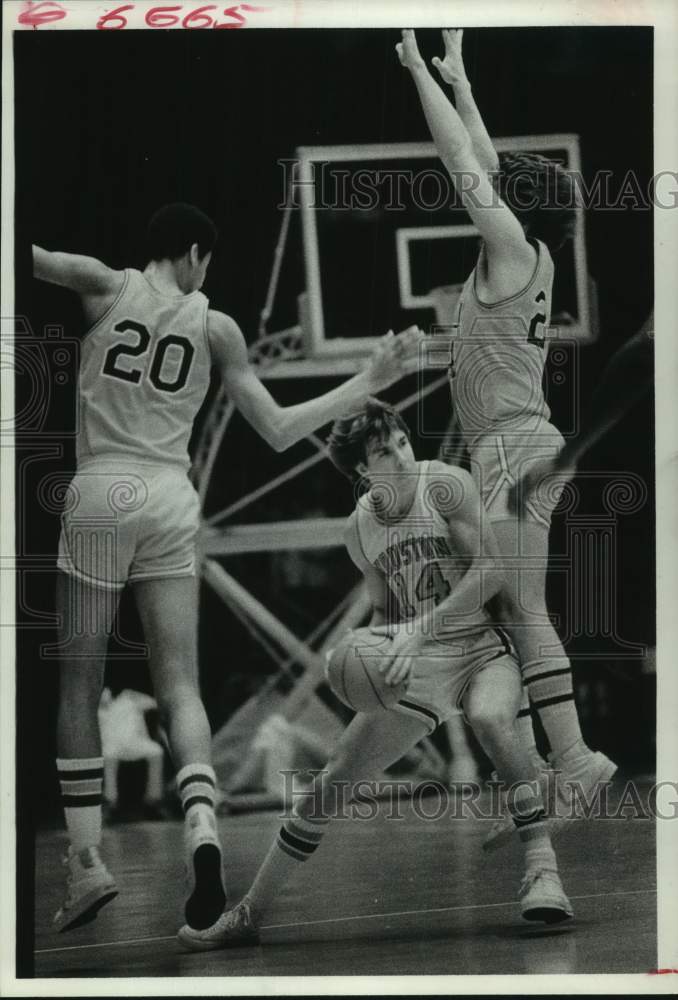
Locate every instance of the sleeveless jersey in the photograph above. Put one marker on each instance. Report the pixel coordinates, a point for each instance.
(499, 353)
(415, 553)
(144, 372)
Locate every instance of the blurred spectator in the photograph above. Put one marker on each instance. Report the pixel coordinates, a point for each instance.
(125, 737)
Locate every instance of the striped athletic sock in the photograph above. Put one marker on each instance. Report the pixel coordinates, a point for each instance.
(81, 780)
(196, 784)
(526, 808)
(549, 684)
(526, 730)
(297, 840)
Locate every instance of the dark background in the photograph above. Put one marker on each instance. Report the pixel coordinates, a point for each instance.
(111, 125)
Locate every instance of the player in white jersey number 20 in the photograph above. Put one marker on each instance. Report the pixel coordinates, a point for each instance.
(132, 516)
(523, 206)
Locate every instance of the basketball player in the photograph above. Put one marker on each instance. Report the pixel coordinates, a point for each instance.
(499, 352)
(431, 565)
(132, 516)
(626, 379)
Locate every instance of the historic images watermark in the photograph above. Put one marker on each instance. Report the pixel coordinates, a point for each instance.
(430, 800)
(366, 189)
(45, 422)
(587, 559)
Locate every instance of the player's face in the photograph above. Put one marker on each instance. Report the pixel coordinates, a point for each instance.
(390, 457)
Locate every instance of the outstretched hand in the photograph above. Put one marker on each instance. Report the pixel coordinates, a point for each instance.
(408, 51)
(451, 68)
(394, 357)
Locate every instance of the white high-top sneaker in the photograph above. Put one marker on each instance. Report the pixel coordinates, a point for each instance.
(89, 886)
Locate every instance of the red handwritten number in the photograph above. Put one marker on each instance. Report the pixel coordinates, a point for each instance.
(233, 12)
(156, 17)
(161, 17)
(115, 15)
(198, 15)
(34, 16)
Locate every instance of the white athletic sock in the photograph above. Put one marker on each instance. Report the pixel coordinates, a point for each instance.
(207, 899)
(196, 784)
(297, 840)
(549, 683)
(539, 854)
(529, 816)
(526, 808)
(525, 730)
(81, 780)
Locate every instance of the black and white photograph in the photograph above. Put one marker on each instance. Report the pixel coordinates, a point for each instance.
(339, 534)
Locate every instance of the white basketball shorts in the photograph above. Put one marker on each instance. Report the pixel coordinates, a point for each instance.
(498, 461)
(443, 670)
(125, 524)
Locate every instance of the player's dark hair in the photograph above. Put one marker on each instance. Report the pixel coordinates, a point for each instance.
(347, 443)
(174, 229)
(540, 193)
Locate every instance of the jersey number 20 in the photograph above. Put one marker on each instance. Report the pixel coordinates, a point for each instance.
(140, 348)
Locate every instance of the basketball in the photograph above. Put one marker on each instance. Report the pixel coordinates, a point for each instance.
(353, 672)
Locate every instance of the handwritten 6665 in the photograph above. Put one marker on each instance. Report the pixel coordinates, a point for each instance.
(139, 15)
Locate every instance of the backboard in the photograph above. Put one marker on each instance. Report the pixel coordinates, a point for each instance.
(381, 235)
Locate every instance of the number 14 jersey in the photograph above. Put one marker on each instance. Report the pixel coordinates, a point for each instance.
(499, 352)
(415, 552)
(144, 372)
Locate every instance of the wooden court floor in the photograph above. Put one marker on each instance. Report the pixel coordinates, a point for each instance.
(380, 897)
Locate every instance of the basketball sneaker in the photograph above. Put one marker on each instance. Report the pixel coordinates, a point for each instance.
(582, 769)
(585, 770)
(204, 870)
(89, 886)
(234, 928)
(543, 898)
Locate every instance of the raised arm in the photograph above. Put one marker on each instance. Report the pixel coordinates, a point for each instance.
(453, 72)
(500, 229)
(85, 275)
(283, 426)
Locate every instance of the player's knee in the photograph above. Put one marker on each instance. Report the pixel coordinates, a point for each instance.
(488, 719)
